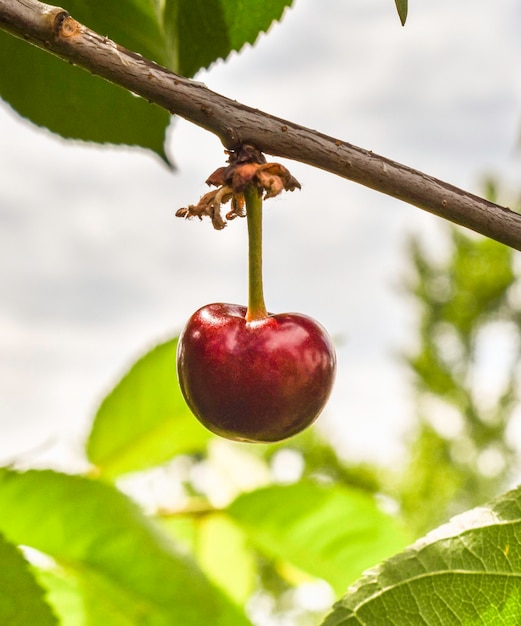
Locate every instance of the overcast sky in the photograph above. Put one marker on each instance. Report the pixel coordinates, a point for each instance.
(95, 268)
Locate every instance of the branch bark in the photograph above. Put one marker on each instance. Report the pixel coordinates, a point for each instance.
(54, 30)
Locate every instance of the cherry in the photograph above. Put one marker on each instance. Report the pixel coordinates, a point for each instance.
(259, 381)
(248, 375)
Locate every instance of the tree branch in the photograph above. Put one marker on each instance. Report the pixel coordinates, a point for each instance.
(54, 30)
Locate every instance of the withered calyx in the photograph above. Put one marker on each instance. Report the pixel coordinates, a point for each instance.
(246, 166)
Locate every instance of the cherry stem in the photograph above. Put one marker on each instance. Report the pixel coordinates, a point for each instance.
(256, 306)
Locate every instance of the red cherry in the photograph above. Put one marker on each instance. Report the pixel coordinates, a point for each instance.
(258, 381)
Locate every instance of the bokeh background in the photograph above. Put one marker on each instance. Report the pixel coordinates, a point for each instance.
(95, 268)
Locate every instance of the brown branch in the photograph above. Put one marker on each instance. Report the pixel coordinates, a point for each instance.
(54, 30)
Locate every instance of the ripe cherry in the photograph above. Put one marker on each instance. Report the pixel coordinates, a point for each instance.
(259, 381)
(248, 375)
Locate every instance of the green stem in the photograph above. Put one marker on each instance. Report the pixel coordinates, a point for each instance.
(256, 306)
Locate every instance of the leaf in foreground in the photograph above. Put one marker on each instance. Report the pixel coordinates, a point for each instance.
(21, 598)
(330, 532)
(64, 595)
(124, 564)
(144, 421)
(220, 548)
(467, 572)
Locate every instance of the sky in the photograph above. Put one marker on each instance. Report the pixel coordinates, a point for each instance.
(95, 268)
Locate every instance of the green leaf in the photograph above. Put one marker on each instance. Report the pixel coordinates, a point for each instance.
(481, 272)
(206, 30)
(221, 550)
(127, 568)
(402, 6)
(73, 103)
(328, 531)
(77, 105)
(144, 421)
(64, 595)
(465, 572)
(21, 598)
(182, 35)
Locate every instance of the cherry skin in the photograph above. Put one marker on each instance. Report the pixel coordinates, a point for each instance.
(258, 381)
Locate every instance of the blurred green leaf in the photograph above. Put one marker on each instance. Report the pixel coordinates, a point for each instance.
(430, 463)
(464, 290)
(144, 421)
(330, 532)
(64, 595)
(125, 566)
(402, 7)
(481, 272)
(220, 548)
(22, 600)
(464, 298)
(81, 600)
(466, 572)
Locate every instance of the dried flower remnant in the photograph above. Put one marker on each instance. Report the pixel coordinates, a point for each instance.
(247, 166)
